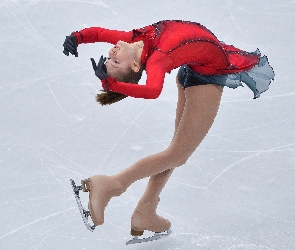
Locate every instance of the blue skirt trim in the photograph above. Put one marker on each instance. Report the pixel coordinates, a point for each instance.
(257, 79)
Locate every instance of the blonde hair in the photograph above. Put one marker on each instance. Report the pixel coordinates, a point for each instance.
(110, 97)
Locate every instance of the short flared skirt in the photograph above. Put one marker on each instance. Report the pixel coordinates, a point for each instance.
(257, 79)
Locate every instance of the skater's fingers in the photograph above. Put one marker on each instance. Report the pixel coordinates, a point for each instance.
(93, 64)
(69, 47)
(101, 63)
(66, 52)
(104, 67)
(103, 59)
(69, 41)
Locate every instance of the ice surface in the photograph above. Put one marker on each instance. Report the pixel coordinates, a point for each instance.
(236, 192)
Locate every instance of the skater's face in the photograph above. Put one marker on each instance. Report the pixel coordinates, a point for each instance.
(123, 57)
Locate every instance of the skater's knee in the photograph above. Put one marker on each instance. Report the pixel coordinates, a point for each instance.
(182, 158)
(177, 157)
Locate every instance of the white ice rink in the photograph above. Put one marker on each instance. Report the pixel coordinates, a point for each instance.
(237, 191)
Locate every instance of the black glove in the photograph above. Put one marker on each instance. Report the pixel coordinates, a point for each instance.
(70, 45)
(100, 69)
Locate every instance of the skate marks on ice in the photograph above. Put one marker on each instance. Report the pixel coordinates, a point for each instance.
(84, 213)
(189, 236)
(196, 241)
(201, 240)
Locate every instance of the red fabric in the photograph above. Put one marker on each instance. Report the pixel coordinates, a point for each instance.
(168, 45)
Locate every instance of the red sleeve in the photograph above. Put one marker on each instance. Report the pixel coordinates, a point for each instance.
(152, 89)
(98, 34)
(155, 74)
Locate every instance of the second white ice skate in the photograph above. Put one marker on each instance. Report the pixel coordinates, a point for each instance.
(156, 236)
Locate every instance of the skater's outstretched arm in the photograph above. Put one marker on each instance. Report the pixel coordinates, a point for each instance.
(98, 34)
(92, 35)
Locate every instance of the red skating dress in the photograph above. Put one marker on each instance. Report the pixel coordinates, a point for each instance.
(171, 44)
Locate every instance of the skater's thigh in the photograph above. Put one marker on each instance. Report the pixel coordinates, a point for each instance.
(201, 106)
(180, 104)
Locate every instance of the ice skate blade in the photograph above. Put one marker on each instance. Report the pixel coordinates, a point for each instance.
(156, 236)
(84, 213)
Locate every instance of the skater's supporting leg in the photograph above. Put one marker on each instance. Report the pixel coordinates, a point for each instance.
(146, 207)
(158, 181)
(144, 216)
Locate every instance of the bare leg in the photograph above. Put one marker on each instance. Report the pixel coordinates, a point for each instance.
(158, 181)
(201, 106)
(145, 211)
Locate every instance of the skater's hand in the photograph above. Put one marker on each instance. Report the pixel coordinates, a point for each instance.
(100, 69)
(70, 45)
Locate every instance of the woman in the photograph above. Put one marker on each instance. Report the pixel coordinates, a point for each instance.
(206, 66)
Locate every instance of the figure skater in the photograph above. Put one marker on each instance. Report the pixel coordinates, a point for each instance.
(205, 64)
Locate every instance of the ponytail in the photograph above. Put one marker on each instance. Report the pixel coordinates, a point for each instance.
(110, 97)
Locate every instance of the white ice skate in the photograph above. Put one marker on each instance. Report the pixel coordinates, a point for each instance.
(156, 236)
